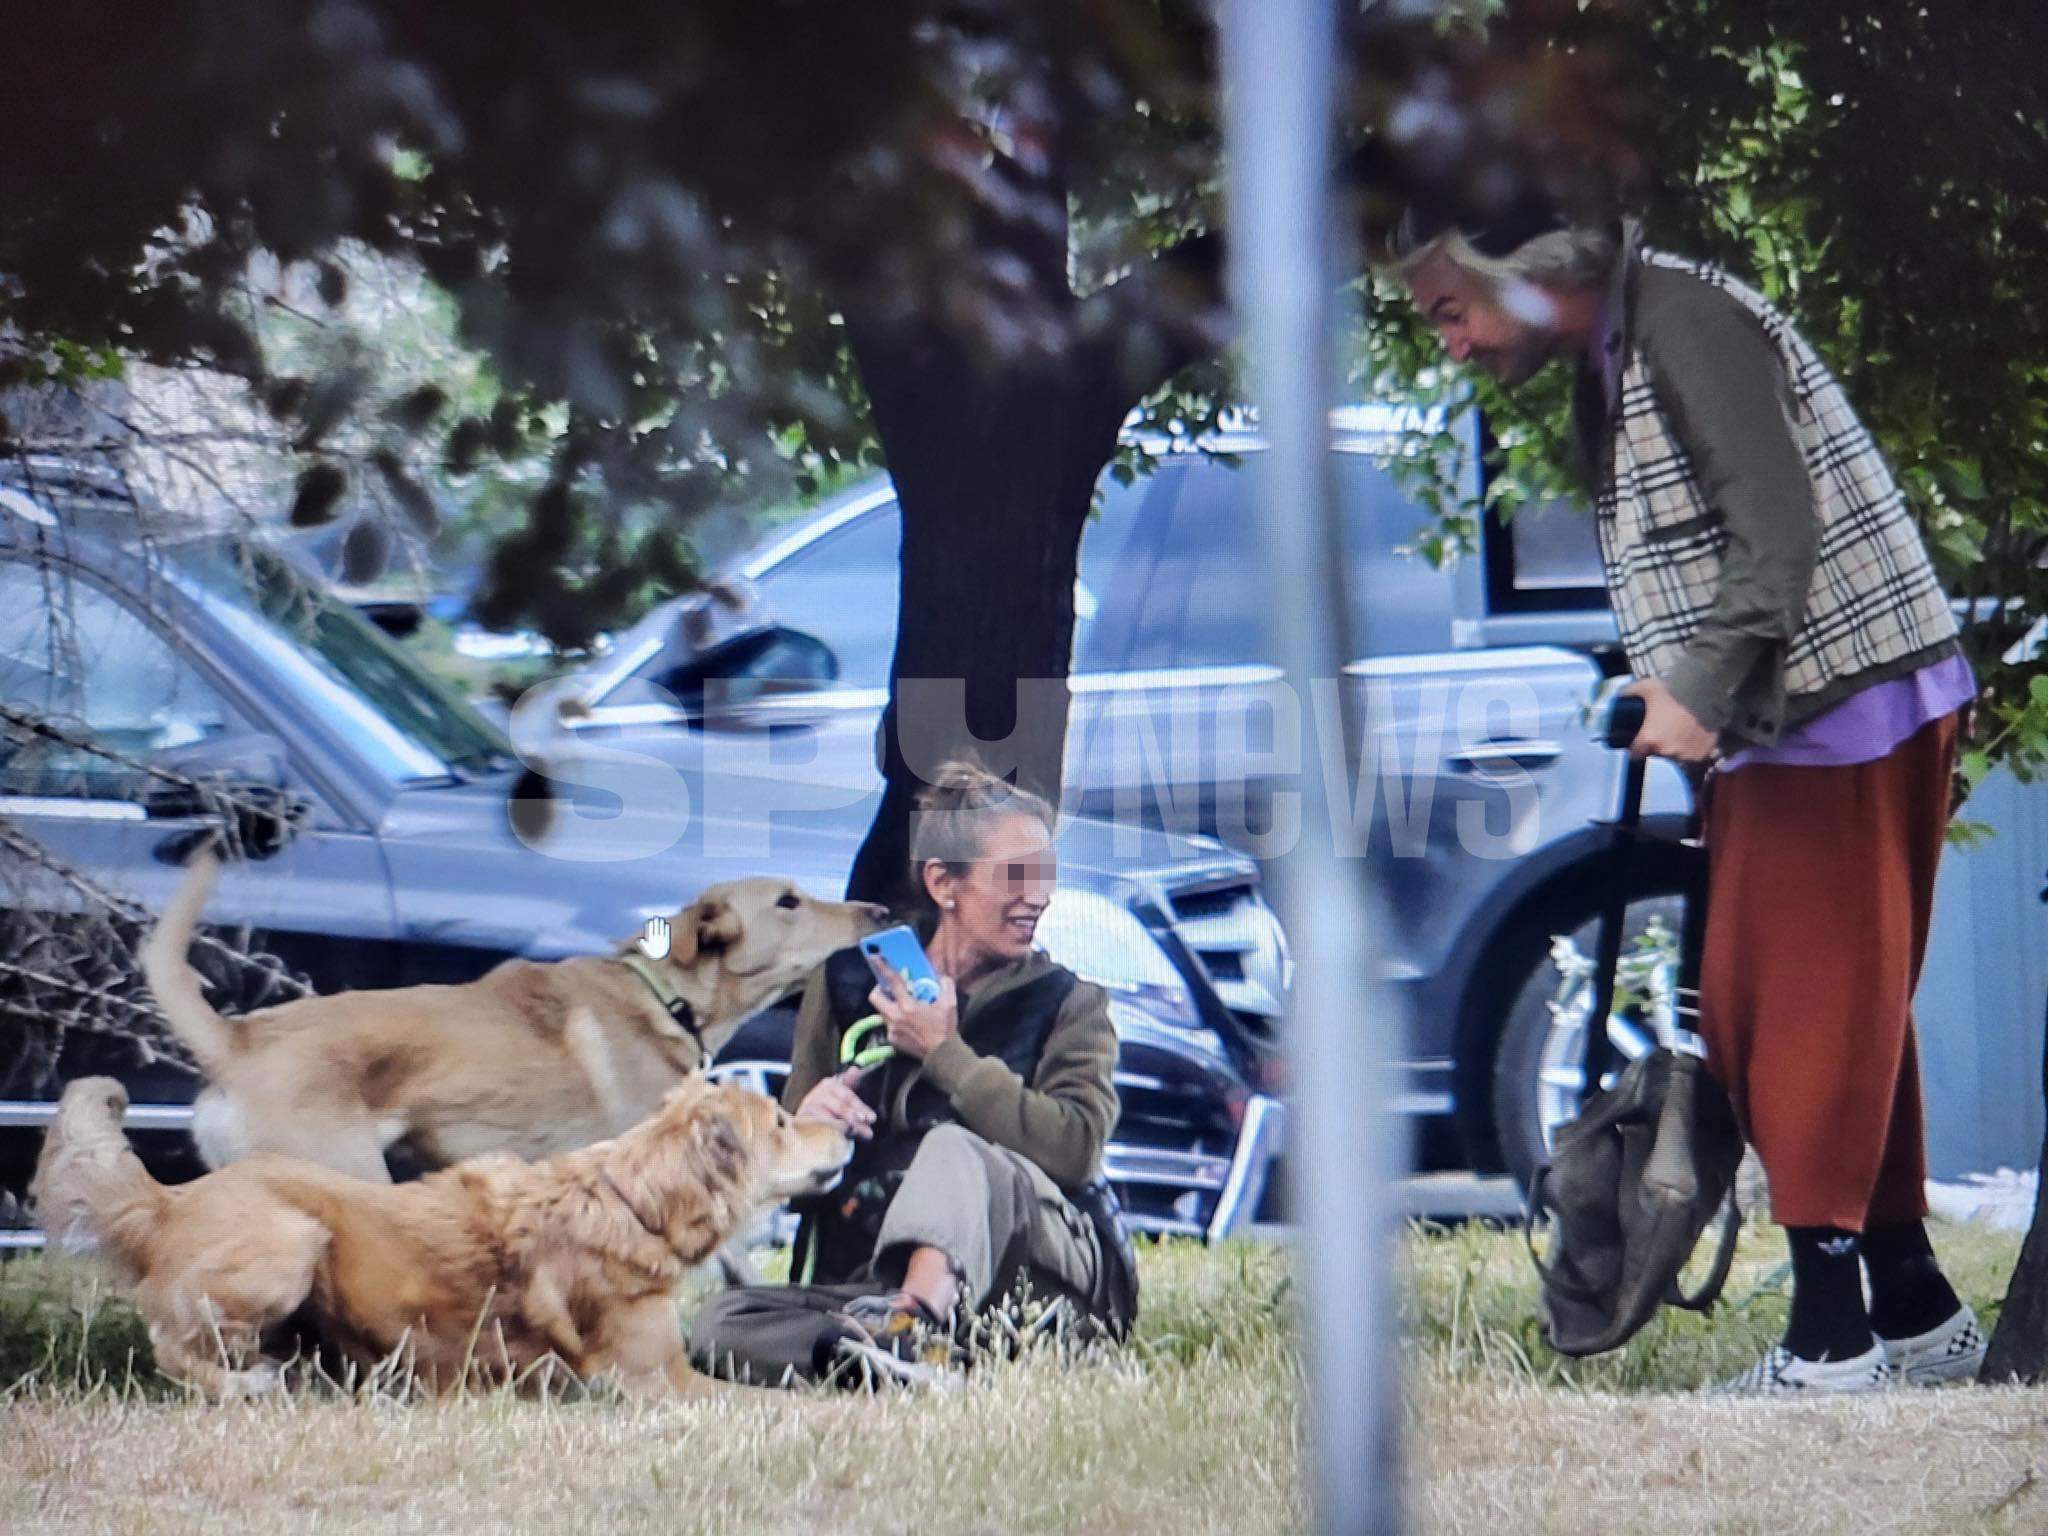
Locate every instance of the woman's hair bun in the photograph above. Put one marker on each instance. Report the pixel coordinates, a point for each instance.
(951, 807)
(962, 784)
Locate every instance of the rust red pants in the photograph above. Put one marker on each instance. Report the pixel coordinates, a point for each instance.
(1820, 888)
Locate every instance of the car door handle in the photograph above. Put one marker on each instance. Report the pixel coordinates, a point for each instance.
(1521, 753)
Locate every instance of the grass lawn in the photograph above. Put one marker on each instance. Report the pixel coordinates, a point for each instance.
(1195, 1429)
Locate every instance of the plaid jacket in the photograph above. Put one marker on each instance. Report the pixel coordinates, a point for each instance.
(1873, 607)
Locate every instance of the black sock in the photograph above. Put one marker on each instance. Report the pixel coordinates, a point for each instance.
(1828, 1318)
(1908, 1292)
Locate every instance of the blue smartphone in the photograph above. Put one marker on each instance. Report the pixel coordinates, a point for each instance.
(898, 947)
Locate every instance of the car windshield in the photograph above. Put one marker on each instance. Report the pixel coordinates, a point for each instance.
(408, 723)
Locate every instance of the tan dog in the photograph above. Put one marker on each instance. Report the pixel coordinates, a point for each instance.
(474, 1273)
(531, 1058)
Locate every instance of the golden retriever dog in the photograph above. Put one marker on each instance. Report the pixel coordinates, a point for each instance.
(531, 1058)
(474, 1273)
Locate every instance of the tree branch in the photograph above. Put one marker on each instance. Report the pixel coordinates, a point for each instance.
(1165, 315)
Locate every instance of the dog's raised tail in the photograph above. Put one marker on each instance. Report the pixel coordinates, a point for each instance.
(90, 1191)
(167, 967)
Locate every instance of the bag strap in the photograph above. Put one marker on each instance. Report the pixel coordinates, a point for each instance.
(1724, 1259)
(1552, 1275)
(1684, 1088)
(1533, 1213)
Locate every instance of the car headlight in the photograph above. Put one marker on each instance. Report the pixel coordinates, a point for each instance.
(1103, 942)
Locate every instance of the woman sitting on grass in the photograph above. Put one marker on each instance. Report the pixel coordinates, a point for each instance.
(976, 1139)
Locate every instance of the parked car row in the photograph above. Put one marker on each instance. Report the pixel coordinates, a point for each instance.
(214, 658)
(1486, 784)
(736, 728)
(730, 732)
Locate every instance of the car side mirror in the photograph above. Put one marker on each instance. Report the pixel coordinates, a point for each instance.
(239, 759)
(727, 607)
(757, 680)
(762, 704)
(239, 778)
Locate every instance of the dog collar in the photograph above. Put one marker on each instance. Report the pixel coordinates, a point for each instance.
(626, 1200)
(673, 1003)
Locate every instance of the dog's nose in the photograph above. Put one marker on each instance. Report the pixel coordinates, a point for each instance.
(876, 911)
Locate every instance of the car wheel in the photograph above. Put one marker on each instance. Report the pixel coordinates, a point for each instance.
(757, 1056)
(1548, 982)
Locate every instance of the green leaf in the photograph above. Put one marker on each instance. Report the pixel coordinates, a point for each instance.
(411, 496)
(319, 494)
(366, 552)
(465, 443)
(415, 410)
(1969, 834)
(1962, 479)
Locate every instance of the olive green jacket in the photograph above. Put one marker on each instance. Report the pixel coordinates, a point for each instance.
(1061, 1119)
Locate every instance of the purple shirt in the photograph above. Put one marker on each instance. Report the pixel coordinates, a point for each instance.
(1867, 725)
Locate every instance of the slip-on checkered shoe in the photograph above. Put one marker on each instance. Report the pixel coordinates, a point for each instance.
(897, 1339)
(1781, 1372)
(1950, 1352)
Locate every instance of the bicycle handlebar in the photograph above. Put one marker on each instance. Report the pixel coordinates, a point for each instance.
(1623, 720)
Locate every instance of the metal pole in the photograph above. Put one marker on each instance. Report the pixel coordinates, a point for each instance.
(1278, 93)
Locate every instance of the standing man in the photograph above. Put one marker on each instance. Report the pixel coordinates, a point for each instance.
(1785, 624)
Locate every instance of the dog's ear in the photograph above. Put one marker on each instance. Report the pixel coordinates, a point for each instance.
(723, 1145)
(682, 936)
(715, 924)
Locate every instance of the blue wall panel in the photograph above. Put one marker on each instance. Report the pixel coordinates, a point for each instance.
(1981, 999)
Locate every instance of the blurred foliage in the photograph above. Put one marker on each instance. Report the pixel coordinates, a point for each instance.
(652, 220)
(663, 226)
(1882, 176)
(686, 243)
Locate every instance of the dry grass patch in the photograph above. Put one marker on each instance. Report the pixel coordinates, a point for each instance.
(1194, 1430)
(1509, 1437)
(1496, 1459)
(1030, 1448)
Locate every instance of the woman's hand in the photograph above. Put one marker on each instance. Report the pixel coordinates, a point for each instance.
(916, 1028)
(833, 1101)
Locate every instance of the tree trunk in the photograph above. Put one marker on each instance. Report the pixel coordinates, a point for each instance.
(995, 473)
(2019, 1344)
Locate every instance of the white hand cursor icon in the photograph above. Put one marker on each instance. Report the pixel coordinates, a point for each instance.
(654, 942)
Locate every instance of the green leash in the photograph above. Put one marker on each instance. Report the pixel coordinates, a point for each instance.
(852, 1053)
